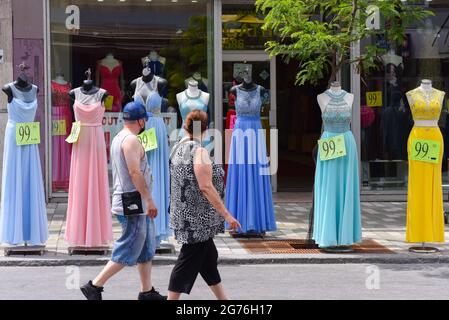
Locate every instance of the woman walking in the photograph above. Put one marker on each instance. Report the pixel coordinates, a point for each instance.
(197, 210)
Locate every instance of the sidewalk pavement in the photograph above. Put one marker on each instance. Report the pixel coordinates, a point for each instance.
(383, 226)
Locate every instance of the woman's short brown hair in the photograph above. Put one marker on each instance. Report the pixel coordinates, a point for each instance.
(196, 116)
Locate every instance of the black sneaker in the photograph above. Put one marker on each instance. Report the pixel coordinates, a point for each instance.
(152, 295)
(91, 292)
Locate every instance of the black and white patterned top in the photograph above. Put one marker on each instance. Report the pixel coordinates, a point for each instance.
(193, 218)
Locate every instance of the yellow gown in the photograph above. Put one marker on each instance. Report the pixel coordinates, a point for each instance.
(425, 213)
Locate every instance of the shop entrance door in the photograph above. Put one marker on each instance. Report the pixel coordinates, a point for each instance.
(263, 71)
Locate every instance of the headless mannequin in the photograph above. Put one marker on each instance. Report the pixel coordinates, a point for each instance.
(248, 85)
(87, 88)
(324, 99)
(60, 79)
(22, 84)
(427, 89)
(193, 92)
(392, 58)
(148, 76)
(154, 56)
(111, 63)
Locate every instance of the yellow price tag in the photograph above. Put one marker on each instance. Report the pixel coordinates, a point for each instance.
(109, 102)
(75, 134)
(332, 148)
(425, 151)
(374, 99)
(59, 128)
(28, 133)
(149, 140)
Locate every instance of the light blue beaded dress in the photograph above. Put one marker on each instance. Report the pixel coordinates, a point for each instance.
(337, 220)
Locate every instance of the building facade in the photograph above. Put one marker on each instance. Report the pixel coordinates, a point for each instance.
(212, 41)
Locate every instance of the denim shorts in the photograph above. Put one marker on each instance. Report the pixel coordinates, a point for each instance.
(138, 242)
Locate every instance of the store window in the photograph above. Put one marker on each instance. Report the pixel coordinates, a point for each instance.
(386, 119)
(113, 38)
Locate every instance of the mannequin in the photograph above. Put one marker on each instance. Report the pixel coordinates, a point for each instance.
(88, 88)
(147, 91)
(155, 62)
(248, 85)
(337, 218)
(23, 216)
(192, 92)
(425, 219)
(323, 99)
(22, 83)
(193, 99)
(248, 184)
(61, 150)
(202, 82)
(89, 221)
(154, 82)
(110, 76)
(60, 79)
(392, 58)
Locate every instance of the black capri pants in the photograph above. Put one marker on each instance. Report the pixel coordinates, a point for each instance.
(199, 258)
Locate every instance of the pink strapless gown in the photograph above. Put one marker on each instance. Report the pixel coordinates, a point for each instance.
(89, 220)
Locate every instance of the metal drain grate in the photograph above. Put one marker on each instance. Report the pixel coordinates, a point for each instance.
(303, 247)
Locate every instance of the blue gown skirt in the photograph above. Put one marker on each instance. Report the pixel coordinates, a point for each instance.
(248, 189)
(23, 215)
(159, 161)
(337, 220)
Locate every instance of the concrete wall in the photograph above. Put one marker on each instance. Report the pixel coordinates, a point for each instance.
(28, 47)
(6, 69)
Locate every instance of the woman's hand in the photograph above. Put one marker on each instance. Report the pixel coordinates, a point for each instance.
(233, 223)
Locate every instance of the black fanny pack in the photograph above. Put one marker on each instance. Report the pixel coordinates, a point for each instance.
(131, 201)
(132, 204)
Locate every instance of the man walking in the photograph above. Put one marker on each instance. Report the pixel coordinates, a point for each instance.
(133, 206)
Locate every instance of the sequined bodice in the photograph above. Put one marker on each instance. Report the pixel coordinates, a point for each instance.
(248, 103)
(426, 106)
(338, 114)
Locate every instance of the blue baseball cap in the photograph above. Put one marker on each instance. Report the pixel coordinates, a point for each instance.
(135, 111)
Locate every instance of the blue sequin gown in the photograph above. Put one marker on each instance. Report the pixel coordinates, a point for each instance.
(248, 190)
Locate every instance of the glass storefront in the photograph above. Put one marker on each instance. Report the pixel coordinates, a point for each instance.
(112, 39)
(386, 119)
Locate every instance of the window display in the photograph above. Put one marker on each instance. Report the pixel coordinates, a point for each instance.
(386, 114)
(175, 39)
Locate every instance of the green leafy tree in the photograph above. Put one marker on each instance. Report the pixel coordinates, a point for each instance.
(319, 33)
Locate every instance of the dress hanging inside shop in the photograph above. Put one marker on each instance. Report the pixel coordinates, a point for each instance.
(337, 215)
(158, 159)
(62, 125)
(110, 81)
(248, 190)
(23, 215)
(89, 221)
(425, 213)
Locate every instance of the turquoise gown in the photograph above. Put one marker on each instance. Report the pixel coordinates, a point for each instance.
(337, 220)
